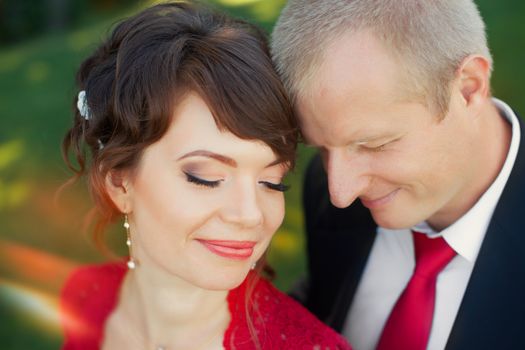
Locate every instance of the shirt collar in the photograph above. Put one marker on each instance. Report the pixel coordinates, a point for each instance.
(466, 234)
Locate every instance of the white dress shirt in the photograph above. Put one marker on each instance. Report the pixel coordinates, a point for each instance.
(391, 263)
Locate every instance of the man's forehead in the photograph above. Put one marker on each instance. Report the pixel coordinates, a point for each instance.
(354, 66)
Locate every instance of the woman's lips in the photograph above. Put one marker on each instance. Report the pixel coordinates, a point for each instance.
(229, 249)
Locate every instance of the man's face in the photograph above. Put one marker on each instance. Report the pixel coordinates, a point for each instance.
(403, 162)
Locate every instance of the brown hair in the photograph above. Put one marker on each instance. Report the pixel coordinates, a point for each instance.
(134, 79)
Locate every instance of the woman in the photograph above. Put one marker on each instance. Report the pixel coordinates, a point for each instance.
(190, 134)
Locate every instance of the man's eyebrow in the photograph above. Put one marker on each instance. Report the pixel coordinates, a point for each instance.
(357, 141)
(378, 137)
(369, 139)
(219, 157)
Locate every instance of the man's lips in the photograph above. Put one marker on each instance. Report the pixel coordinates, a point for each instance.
(229, 249)
(375, 203)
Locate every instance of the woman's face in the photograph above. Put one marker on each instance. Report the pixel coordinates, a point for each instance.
(204, 203)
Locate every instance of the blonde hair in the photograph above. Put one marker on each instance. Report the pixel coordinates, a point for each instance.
(429, 39)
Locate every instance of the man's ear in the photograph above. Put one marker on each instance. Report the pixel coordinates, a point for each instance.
(474, 80)
(118, 187)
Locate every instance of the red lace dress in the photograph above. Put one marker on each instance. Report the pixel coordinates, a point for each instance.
(91, 293)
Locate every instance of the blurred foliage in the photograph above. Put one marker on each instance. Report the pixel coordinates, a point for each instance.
(22, 20)
(40, 240)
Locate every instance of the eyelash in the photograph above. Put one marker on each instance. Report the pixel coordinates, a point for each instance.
(378, 148)
(212, 184)
(382, 147)
(201, 182)
(275, 187)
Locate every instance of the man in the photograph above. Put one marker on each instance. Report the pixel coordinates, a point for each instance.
(415, 153)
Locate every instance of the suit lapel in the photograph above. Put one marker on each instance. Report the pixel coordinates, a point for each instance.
(360, 241)
(492, 313)
(339, 243)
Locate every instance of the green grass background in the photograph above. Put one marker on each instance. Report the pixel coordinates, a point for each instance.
(36, 94)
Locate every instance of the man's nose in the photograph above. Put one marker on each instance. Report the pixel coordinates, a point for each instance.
(243, 207)
(346, 177)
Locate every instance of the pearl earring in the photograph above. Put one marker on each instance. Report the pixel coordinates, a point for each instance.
(132, 264)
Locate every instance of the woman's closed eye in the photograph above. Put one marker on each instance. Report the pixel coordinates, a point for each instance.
(201, 182)
(276, 187)
(215, 183)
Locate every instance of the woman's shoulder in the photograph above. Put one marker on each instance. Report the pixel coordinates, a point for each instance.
(106, 272)
(87, 298)
(92, 284)
(293, 323)
(280, 322)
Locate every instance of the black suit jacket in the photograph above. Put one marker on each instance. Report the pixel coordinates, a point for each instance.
(492, 312)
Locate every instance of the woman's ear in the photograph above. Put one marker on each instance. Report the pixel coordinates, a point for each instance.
(119, 189)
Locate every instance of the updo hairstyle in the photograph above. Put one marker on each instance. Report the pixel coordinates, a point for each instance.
(135, 79)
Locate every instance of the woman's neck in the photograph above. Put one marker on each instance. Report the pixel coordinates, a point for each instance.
(166, 310)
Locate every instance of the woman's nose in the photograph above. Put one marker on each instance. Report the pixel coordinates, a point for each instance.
(242, 208)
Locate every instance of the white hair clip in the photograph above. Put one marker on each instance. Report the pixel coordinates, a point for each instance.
(82, 105)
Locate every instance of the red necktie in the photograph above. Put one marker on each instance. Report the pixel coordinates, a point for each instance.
(408, 326)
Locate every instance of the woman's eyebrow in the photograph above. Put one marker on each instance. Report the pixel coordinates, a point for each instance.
(219, 157)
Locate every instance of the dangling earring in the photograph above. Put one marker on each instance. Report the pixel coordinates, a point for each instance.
(253, 266)
(132, 264)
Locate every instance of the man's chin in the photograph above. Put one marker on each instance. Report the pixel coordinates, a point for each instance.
(393, 221)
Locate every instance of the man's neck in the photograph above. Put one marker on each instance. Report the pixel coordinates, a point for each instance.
(491, 145)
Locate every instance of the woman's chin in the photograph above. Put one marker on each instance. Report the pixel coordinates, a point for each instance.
(215, 277)
(226, 279)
